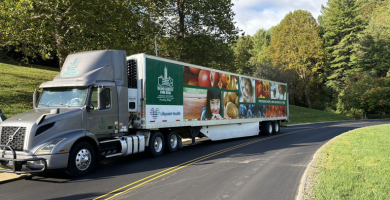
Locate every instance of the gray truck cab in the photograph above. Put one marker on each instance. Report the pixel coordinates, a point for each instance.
(72, 113)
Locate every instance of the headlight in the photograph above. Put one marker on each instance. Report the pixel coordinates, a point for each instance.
(47, 148)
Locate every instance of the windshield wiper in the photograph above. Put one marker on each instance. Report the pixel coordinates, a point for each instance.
(43, 104)
(62, 104)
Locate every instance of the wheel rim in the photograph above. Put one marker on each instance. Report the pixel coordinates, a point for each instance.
(270, 128)
(83, 159)
(158, 144)
(276, 127)
(173, 141)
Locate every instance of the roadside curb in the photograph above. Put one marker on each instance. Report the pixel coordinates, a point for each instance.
(9, 177)
(302, 182)
(318, 123)
(333, 122)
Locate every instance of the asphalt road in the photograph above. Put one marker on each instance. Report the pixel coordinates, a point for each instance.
(262, 167)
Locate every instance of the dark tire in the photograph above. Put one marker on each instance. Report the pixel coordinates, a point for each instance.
(82, 159)
(172, 141)
(267, 128)
(276, 127)
(156, 144)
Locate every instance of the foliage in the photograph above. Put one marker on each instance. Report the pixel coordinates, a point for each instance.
(370, 94)
(375, 50)
(242, 55)
(197, 32)
(341, 24)
(296, 45)
(56, 27)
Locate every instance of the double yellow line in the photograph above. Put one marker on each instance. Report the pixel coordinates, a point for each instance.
(155, 176)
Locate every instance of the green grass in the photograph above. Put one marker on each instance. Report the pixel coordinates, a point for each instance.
(17, 84)
(354, 165)
(300, 115)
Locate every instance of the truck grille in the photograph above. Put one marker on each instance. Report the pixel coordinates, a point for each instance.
(13, 136)
(132, 73)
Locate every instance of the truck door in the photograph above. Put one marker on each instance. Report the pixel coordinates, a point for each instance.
(103, 120)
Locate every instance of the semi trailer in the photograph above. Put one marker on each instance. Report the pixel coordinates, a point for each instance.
(105, 104)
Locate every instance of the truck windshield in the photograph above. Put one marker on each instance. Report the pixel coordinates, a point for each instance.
(64, 96)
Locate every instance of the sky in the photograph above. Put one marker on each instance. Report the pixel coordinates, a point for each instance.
(252, 15)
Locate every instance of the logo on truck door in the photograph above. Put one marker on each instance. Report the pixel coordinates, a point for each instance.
(102, 124)
(165, 86)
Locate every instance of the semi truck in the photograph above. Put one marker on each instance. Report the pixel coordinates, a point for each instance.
(105, 104)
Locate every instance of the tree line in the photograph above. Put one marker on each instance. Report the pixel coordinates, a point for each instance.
(337, 62)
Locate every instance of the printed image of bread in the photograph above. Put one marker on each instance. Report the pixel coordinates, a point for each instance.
(226, 99)
(231, 110)
(236, 102)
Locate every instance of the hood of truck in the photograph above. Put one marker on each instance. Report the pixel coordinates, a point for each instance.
(29, 134)
(30, 117)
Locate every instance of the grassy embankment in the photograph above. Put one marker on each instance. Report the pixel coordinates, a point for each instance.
(17, 84)
(300, 115)
(354, 165)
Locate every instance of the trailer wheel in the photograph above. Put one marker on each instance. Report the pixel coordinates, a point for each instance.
(268, 128)
(156, 145)
(276, 127)
(172, 141)
(82, 159)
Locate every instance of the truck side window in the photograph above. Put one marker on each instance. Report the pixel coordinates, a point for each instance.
(95, 96)
(94, 99)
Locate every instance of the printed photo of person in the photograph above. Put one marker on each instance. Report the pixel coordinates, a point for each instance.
(282, 92)
(213, 106)
(274, 91)
(247, 91)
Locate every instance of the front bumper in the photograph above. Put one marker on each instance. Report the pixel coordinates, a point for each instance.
(22, 164)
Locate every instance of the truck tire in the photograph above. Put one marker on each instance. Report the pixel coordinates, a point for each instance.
(82, 159)
(267, 128)
(172, 141)
(156, 144)
(276, 127)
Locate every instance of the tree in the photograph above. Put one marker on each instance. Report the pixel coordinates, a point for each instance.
(341, 23)
(261, 42)
(57, 27)
(375, 42)
(242, 55)
(196, 31)
(296, 45)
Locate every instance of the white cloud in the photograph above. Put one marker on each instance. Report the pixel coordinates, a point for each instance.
(252, 15)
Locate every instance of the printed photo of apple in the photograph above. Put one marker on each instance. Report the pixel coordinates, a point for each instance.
(208, 78)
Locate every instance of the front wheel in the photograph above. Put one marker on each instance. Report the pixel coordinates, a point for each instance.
(82, 159)
(156, 144)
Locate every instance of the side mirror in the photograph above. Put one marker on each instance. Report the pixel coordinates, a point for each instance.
(35, 98)
(102, 98)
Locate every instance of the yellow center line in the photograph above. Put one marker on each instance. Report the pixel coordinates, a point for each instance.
(193, 161)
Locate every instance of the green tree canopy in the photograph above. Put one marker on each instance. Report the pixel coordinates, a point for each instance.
(296, 45)
(197, 32)
(242, 55)
(48, 27)
(341, 23)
